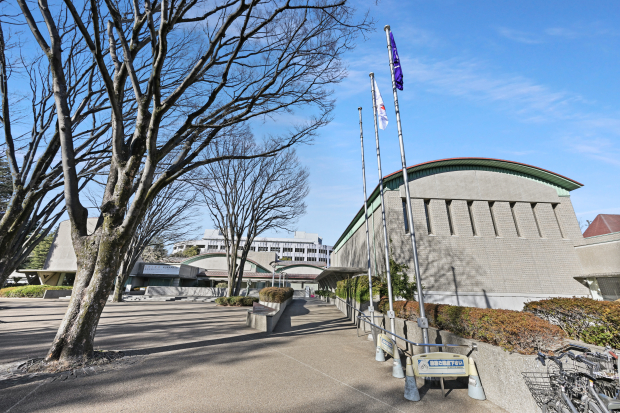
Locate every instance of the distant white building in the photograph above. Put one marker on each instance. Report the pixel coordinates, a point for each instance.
(304, 246)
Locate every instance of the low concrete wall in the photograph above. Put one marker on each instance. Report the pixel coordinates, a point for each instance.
(47, 294)
(267, 321)
(499, 370)
(194, 291)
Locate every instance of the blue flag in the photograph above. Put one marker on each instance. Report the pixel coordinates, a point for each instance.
(398, 73)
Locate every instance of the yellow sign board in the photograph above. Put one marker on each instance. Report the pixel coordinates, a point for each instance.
(386, 344)
(440, 365)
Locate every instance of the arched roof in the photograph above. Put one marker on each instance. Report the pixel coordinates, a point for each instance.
(219, 254)
(394, 180)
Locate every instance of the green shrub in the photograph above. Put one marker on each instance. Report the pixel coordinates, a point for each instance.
(221, 301)
(516, 331)
(237, 301)
(221, 285)
(276, 294)
(325, 293)
(591, 321)
(249, 301)
(357, 288)
(29, 291)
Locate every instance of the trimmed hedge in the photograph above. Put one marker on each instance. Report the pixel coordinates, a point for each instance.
(357, 288)
(275, 294)
(29, 291)
(515, 331)
(591, 321)
(237, 301)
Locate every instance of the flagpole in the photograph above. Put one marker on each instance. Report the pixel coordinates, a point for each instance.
(422, 320)
(397, 370)
(371, 308)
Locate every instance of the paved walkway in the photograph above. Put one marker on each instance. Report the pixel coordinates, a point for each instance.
(202, 358)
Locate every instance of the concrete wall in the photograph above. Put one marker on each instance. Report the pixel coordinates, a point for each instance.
(61, 255)
(267, 322)
(473, 263)
(498, 369)
(600, 258)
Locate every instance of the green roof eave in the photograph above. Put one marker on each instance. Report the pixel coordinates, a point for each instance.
(395, 180)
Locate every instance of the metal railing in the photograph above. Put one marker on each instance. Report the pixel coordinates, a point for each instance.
(366, 319)
(473, 345)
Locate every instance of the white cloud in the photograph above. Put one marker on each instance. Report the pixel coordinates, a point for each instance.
(470, 79)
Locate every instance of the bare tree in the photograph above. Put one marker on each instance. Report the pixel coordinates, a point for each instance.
(247, 197)
(35, 202)
(193, 70)
(169, 218)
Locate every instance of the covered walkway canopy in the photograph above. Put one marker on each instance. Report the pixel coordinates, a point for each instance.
(329, 277)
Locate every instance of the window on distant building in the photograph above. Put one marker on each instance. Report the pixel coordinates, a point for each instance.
(252, 248)
(311, 259)
(322, 251)
(222, 247)
(262, 248)
(212, 247)
(200, 246)
(300, 250)
(287, 249)
(299, 259)
(323, 259)
(311, 251)
(274, 249)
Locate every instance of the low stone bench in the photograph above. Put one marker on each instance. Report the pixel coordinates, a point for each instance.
(264, 315)
(47, 294)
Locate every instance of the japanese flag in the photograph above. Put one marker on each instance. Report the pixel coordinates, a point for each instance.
(381, 113)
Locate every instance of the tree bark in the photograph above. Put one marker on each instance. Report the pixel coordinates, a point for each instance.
(98, 261)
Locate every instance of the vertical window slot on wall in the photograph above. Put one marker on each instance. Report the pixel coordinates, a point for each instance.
(405, 217)
(514, 218)
(491, 205)
(536, 219)
(427, 204)
(470, 209)
(557, 219)
(449, 211)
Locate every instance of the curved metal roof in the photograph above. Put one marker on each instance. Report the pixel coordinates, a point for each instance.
(213, 254)
(395, 179)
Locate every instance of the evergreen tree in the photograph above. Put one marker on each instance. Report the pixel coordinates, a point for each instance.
(36, 259)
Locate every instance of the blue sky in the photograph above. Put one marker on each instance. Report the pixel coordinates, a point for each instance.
(532, 82)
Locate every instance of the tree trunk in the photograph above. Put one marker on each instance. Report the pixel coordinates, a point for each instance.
(98, 261)
(118, 289)
(121, 278)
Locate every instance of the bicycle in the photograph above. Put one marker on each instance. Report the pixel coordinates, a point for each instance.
(564, 390)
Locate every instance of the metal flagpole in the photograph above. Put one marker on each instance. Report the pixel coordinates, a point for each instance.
(371, 308)
(422, 320)
(397, 370)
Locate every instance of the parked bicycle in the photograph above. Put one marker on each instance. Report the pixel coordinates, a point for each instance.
(584, 386)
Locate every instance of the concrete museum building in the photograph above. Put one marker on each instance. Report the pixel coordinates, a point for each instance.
(490, 233)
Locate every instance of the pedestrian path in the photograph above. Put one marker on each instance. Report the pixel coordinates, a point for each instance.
(202, 358)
